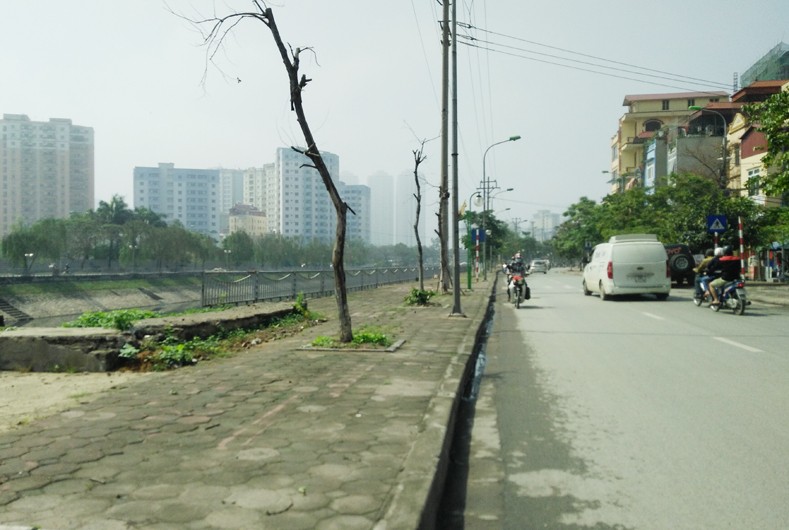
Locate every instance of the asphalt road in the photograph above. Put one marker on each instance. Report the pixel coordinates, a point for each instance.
(632, 413)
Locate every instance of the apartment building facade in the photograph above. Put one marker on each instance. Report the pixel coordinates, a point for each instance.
(190, 196)
(646, 117)
(46, 170)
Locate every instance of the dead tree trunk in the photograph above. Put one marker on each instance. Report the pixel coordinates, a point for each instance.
(219, 27)
(418, 159)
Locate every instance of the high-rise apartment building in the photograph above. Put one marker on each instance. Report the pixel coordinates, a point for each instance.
(190, 196)
(46, 170)
(357, 196)
(231, 192)
(544, 224)
(297, 203)
(394, 209)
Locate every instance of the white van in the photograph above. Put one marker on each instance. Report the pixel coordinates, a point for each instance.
(628, 264)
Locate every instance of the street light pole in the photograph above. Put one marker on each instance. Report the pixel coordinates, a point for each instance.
(468, 250)
(486, 196)
(724, 171)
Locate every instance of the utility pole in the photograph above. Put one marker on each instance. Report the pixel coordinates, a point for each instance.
(456, 310)
(516, 224)
(443, 189)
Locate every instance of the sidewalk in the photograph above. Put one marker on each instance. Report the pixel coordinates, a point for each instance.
(273, 437)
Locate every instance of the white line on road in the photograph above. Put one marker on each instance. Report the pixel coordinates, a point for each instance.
(739, 345)
(656, 317)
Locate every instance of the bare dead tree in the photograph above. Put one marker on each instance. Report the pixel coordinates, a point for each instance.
(217, 29)
(418, 159)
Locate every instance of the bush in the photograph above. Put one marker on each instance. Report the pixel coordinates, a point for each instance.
(419, 297)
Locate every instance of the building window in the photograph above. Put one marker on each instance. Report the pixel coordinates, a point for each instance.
(691, 102)
(754, 181)
(665, 104)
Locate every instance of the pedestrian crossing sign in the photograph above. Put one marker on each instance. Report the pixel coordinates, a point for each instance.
(716, 224)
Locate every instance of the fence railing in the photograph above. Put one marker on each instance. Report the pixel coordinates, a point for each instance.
(221, 288)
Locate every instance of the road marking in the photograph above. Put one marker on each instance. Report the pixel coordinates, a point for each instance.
(739, 345)
(656, 317)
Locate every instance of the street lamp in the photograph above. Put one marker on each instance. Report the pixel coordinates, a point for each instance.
(28, 256)
(477, 201)
(486, 193)
(133, 248)
(724, 170)
(227, 257)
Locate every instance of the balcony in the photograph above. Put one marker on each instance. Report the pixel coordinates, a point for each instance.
(633, 143)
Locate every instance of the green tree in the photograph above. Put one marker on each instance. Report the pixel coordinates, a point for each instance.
(240, 247)
(772, 118)
(111, 216)
(580, 228)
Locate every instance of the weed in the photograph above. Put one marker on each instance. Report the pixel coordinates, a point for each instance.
(121, 319)
(419, 297)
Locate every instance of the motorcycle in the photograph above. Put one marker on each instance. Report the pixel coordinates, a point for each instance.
(731, 296)
(519, 288)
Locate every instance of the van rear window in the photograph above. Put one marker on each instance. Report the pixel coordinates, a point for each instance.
(635, 253)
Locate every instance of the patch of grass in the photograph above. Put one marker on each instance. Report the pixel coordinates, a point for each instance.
(172, 352)
(364, 337)
(121, 319)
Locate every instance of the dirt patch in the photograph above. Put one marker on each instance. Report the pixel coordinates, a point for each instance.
(25, 397)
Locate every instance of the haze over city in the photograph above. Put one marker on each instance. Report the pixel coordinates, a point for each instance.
(553, 73)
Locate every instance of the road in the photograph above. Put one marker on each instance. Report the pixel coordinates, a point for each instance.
(631, 413)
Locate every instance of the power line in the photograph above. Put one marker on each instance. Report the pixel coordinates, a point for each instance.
(679, 77)
(582, 69)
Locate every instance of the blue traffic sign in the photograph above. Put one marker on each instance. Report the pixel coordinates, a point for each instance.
(716, 224)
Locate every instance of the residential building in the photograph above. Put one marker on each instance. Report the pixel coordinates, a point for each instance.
(297, 203)
(246, 218)
(357, 196)
(774, 65)
(255, 182)
(544, 225)
(231, 192)
(394, 210)
(748, 145)
(46, 170)
(646, 115)
(190, 196)
(382, 232)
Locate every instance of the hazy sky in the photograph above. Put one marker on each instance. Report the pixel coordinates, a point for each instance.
(134, 72)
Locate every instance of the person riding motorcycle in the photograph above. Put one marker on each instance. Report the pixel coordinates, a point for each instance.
(709, 255)
(516, 266)
(729, 267)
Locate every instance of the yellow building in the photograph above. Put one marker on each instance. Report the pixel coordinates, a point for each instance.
(646, 115)
(245, 218)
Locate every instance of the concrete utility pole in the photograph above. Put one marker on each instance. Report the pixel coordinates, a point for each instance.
(516, 222)
(456, 310)
(443, 189)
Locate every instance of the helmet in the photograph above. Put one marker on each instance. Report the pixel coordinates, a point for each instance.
(727, 250)
(719, 251)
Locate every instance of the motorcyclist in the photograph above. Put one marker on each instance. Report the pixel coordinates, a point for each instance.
(729, 267)
(515, 266)
(709, 255)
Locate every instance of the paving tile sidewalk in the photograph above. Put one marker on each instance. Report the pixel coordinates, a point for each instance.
(274, 437)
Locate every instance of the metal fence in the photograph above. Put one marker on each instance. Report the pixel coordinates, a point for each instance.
(221, 288)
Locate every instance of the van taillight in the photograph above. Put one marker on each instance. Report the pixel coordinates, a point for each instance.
(610, 270)
(668, 270)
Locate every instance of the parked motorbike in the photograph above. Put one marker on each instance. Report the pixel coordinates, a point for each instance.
(731, 296)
